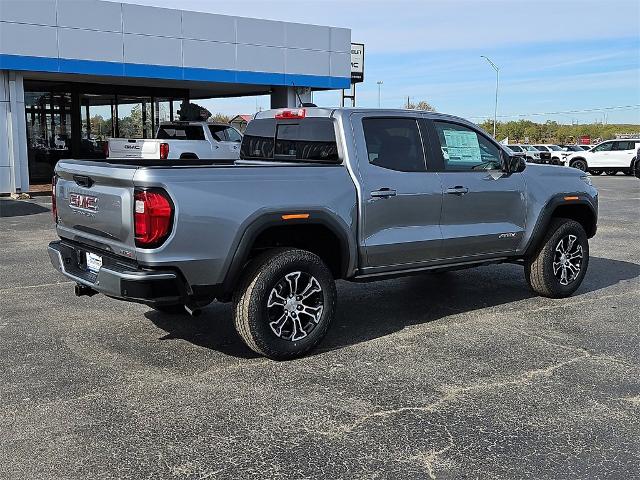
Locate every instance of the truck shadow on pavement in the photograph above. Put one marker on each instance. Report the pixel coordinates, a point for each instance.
(19, 208)
(372, 310)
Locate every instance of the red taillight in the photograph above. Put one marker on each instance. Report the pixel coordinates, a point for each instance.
(291, 114)
(153, 212)
(164, 151)
(105, 149)
(54, 205)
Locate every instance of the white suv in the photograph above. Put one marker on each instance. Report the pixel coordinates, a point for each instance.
(557, 154)
(611, 157)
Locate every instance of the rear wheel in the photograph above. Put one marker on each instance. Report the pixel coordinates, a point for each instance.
(559, 266)
(285, 303)
(580, 164)
(635, 167)
(611, 172)
(595, 172)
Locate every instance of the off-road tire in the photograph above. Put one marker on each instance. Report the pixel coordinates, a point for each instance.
(539, 266)
(635, 167)
(250, 300)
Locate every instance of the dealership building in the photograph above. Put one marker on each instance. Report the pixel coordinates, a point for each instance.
(74, 73)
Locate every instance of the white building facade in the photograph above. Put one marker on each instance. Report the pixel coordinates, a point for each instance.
(73, 73)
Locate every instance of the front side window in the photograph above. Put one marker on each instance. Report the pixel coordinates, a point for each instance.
(465, 149)
(394, 143)
(233, 135)
(603, 147)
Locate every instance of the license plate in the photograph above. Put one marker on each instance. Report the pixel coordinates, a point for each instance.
(94, 262)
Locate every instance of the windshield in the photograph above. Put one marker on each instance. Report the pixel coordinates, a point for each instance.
(529, 148)
(555, 148)
(514, 148)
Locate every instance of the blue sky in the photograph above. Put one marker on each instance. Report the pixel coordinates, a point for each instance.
(554, 56)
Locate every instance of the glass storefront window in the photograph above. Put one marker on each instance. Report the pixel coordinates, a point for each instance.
(48, 118)
(96, 114)
(135, 117)
(66, 119)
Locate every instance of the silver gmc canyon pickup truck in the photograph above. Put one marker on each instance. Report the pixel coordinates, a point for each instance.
(317, 195)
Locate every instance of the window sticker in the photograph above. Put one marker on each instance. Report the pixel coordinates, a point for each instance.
(462, 147)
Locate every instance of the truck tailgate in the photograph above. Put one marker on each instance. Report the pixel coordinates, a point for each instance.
(95, 203)
(134, 148)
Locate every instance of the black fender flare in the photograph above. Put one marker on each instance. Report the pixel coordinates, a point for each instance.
(546, 214)
(273, 219)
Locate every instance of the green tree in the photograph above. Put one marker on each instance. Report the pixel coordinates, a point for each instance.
(220, 118)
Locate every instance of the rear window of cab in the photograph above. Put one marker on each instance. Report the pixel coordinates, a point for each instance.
(300, 140)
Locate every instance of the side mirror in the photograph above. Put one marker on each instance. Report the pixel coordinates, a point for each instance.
(513, 163)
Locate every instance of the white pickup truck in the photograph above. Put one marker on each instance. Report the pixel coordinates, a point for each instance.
(181, 140)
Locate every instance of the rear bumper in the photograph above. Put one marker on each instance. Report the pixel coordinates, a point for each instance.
(117, 279)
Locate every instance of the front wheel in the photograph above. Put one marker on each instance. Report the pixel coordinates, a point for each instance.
(579, 164)
(560, 264)
(285, 303)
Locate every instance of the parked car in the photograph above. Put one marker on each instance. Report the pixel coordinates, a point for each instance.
(536, 156)
(557, 157)
(181, 140)
(572, 148)
(515, 151)
(318, 195)
(610, 157)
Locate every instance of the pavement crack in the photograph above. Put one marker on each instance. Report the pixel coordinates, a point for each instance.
(457, 392)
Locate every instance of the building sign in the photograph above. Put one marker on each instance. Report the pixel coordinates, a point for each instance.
(357, 62)
(585, 140)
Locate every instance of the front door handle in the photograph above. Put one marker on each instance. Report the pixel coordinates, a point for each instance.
(457, 190)
(383, 193)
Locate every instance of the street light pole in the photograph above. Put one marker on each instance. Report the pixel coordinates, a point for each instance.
(380, 83)
(495, 110)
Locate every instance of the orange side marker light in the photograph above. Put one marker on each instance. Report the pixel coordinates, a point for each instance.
(295, 216)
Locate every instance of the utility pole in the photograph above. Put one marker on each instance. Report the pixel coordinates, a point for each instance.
(495, 110)
(380, 83)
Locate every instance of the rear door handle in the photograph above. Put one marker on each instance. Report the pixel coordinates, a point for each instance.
(384, 193)
(457, 190)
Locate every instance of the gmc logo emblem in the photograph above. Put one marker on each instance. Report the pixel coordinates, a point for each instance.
(132, 147)
(84, 202)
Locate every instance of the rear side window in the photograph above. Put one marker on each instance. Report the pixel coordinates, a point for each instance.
(394, 143)
(309, 139)
(180, 132)
(623, 146)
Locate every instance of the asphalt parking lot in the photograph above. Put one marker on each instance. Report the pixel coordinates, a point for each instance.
(461, 375)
